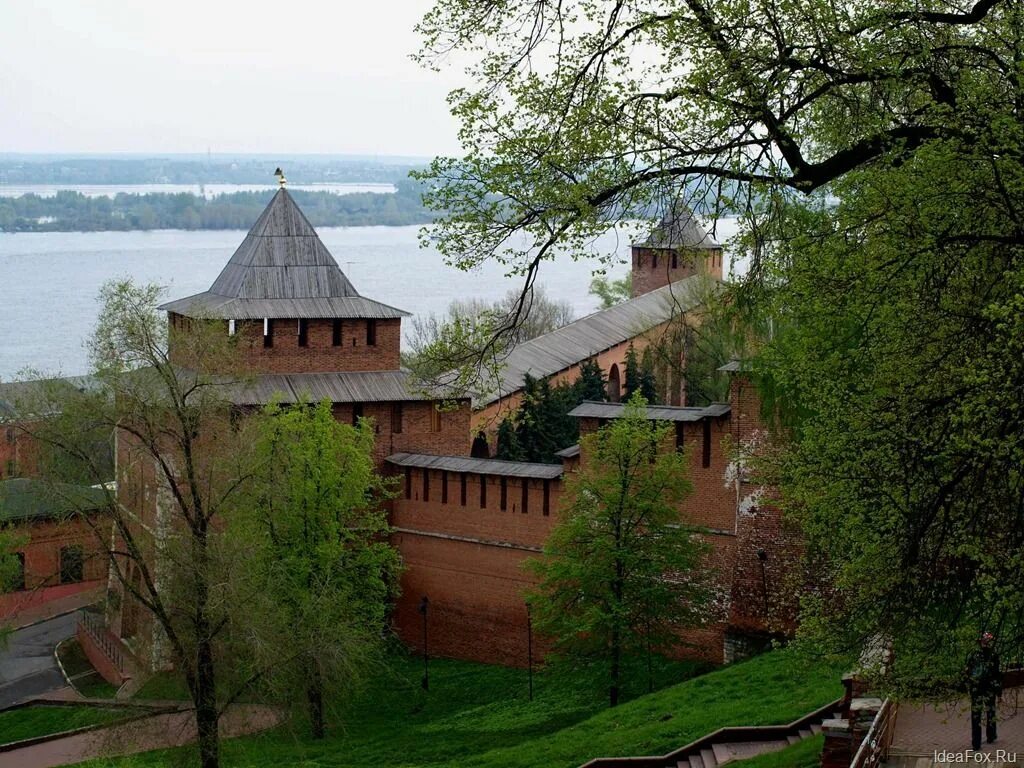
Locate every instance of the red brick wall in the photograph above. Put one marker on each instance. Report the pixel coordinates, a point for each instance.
(286, 356)
(43, 545)
(477, 610)
(652, 268)
(18, 451)
(490, 523)
(417, 434)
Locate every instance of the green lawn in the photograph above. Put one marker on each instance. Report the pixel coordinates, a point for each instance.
(803, 754)
(477, 715)
(28, 722)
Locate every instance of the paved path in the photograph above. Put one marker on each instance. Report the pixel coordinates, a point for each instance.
(157, 732)
(924, 731)
(27, 666)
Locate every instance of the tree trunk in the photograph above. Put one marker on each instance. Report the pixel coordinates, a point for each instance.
(616, 672)
(315, 697)
(206, 707)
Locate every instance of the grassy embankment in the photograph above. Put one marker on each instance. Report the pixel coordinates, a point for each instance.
(477, 716)
(30, 722)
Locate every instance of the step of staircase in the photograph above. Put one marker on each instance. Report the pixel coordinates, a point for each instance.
(722, 753)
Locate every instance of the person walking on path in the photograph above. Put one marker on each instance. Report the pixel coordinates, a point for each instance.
(984, 684)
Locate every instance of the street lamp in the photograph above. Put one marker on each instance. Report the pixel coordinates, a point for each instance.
(424, 605)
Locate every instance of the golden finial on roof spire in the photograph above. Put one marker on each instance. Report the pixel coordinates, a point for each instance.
(280, 177)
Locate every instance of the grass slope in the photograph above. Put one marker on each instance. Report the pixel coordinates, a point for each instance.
(479, 716)
(29, 722)
(803, 754)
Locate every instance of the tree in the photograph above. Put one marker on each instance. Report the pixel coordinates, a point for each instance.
(612, 292)
(621, 572)
(540, 315)
(580, 115)
(639, 379)
(508, 441)
(320, 566)
(591, 384)
(896, 367)
(183, 461)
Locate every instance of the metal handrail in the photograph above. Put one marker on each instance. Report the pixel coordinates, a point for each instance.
(98, 633)
(875, 747)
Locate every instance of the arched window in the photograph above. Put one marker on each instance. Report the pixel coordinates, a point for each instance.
(614, 387)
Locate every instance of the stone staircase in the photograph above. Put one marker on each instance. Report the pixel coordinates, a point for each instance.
(728, 744)
(720, 753)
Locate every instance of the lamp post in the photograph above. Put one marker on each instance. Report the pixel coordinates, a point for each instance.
(424, 605)
(529, 647)
(762, 557)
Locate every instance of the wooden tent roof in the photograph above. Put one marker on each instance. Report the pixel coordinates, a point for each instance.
(281, 269)
(678, 229)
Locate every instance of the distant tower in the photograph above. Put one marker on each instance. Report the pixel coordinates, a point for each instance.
(678, 247)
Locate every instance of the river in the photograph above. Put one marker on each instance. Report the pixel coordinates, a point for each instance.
(49, 280)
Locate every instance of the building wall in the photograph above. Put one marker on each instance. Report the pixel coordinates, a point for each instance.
(18, 451)
(655, 268)
(468, 560)
(419, 431)
(41, 543)
(354, 353)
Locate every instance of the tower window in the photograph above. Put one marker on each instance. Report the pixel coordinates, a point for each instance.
(525, 503)
(396, 418)
(547, 498)
(462, 488)
(705, 460)
(679, 435)
(303, 332)
(654, 261)
(435, 418)
(426, 485)
(444, 487)
(336, 332)
(357, 413)
(408, 482)
(504, 493)
(675, 260)
(483, 491)
(371, 333)
(268, 332)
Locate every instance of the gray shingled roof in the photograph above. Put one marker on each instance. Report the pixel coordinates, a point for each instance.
(24, 499)
(586, 337)
(477, 466)
(343, 387)
(39, 394)
(678, 229)
(281, 269)
(593, 410)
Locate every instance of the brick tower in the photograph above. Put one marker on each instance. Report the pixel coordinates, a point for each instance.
(294, 309)
(678, 247)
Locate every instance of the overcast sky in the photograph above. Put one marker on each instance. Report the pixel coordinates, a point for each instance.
(291, 76)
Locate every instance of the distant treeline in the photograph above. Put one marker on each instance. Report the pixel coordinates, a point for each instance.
(193, 170)
(74, 212)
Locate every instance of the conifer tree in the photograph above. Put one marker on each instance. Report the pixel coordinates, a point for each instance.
(509, 448)
(631, 384)
(591, 383)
